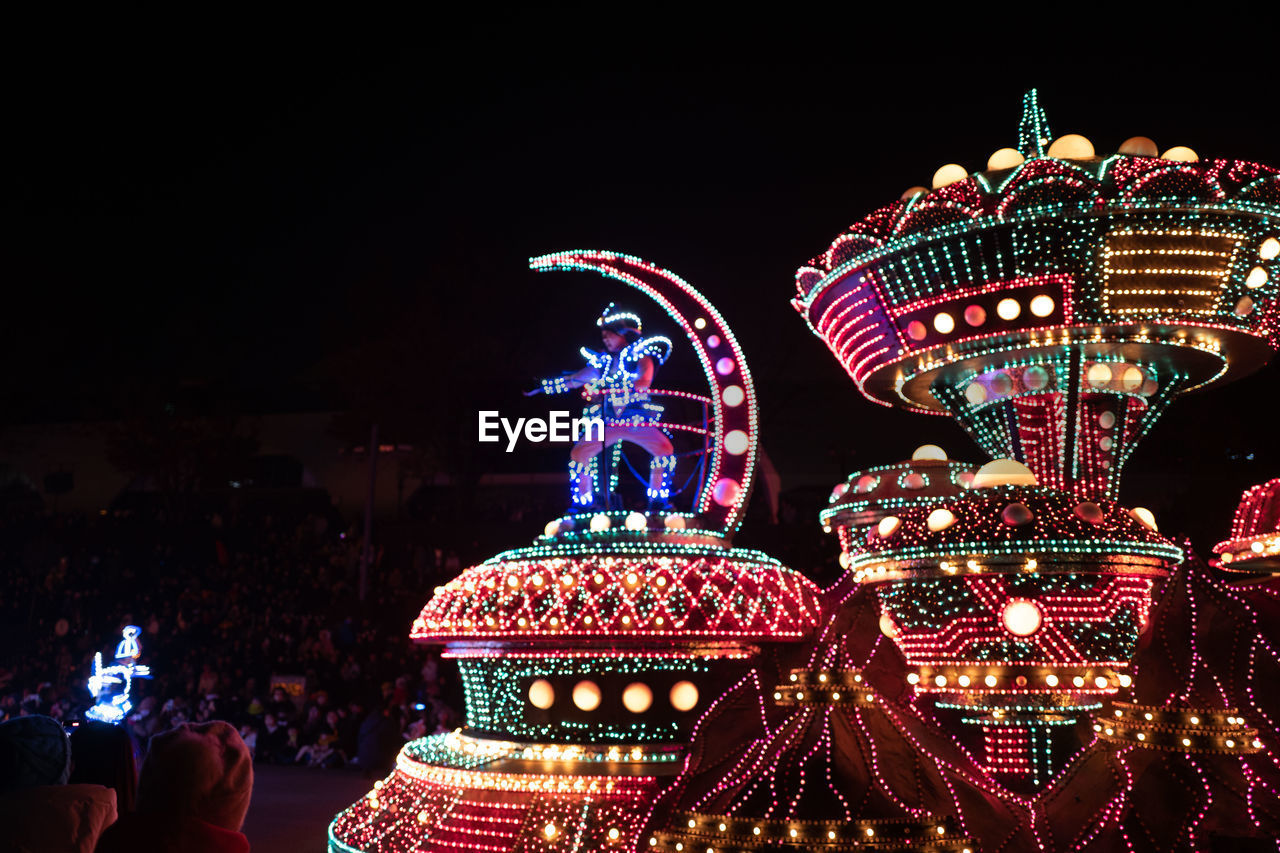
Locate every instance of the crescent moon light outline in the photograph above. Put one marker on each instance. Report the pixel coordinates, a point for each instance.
(666, 288)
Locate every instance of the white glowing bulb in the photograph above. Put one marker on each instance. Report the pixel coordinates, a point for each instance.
(599, 522)
(1003, 472)
(1269, 249)
(736, 442)
(888, 526)
(940, 519)
(948, 175)
(928, 451)
(1008, 309)
(636, 521)
(1145, 516)
(1256, 278)
(944, 323)
(1098, 374)
(1131, 378)
(637, 698)
(1180, 154)
(1073, 146)
(733, 395)
(1042, 305)
(1005, 158)
(586, 695)
(684, 696)
(541, 694)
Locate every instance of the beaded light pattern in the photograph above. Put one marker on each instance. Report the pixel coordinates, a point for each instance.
(867, 497)
(826, 756)
(587, 657)
(1018, 605)
(1254, 547)
(1057, 302)
(1186, 763)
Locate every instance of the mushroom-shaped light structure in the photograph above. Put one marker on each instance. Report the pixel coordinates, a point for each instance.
(1254, 547)
(587, 657)
(1022, 610)
(1054, 307)
(867, 497)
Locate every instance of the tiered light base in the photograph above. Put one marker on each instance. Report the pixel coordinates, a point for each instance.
(725, 834)
(453, 792)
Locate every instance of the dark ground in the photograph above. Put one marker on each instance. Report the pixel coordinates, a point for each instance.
(292, 806)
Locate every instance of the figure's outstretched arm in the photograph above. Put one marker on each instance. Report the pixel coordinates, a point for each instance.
(566, 382)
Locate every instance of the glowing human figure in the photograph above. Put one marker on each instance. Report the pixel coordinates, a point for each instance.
(110, 685)
(128, 647)
(616, 383)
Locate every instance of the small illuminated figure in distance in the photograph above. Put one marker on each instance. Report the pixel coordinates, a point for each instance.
(110, 684)
(616, 385)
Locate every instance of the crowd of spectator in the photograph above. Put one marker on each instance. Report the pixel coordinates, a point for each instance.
(230, 606)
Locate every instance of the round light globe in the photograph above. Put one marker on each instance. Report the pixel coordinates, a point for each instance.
(1021, 617)
(637, 698)
(684, 696)
(1139, 146)
(949, 174)
(1145, 516)
(586, 695)
(1005, 158)
(541, 694)
(736, 442)
(1042, 305)
(1008, 309)
(1003, 472)
(1180, 154)
(940, 519)
(1073, 146)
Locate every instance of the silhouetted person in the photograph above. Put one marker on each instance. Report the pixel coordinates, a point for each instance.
(193, 794)
(39, 811)
(102, 754)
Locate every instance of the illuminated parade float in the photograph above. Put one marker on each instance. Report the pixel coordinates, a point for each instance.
(587, 657)
(1012, 661)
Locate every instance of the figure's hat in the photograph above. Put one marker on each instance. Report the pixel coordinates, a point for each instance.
(619, 321)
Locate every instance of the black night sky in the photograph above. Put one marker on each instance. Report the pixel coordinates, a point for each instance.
(288, 222)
